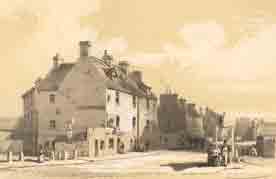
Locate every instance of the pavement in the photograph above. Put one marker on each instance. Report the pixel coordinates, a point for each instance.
(161, 164)
(32, 161)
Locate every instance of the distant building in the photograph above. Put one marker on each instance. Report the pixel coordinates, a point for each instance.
(91, 93)
(171, 113)
(185, 124)
(266, 140)
(246, 128)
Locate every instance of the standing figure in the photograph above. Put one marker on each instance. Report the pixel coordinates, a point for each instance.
(224, 152)
(41, 154)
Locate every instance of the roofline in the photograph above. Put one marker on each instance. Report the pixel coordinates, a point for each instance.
(150, 97)
(27, 92)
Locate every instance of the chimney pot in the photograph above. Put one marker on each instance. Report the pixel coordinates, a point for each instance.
(107, 58)
(56, 61)
(124, 65)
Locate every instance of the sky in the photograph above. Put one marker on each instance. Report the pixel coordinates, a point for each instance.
(216, 53)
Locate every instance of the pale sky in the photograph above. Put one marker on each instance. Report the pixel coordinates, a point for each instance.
(219, 53)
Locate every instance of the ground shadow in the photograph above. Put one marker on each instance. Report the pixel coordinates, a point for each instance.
(186, 165)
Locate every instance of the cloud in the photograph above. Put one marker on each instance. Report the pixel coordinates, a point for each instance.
(31, 33)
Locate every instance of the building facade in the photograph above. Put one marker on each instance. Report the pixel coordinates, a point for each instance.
(90, 93)
(186, 125)
(171, 113)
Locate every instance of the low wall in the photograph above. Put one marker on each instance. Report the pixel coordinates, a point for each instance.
(81, 146)
(14, 146)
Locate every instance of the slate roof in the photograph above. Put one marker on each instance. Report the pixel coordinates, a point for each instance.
(128, 84)
(55, 77)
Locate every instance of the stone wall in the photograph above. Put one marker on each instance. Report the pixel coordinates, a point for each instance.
(81, 146)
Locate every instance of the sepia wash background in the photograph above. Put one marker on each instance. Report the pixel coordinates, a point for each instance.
(220, 53)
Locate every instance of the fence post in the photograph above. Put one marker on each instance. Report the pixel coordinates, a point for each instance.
(75, 154)
(59, 155)
(65, 155)
(9, 156)
(53, 155)
(21, 156)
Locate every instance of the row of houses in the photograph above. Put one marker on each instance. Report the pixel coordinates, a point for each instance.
(184, 124)
(94, 100)
(99, 106)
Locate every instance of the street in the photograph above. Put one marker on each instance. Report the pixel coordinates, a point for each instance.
(161, 164)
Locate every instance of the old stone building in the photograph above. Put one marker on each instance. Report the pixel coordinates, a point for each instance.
(184, 124)
(171, 113)
(266, 140)
(90, 93)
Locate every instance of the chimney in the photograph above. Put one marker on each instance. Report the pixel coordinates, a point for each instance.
(37, 81)
(137, 75)
(84, 48)
(56, 61)
(107, 58)
(124, 65)
(182, 102)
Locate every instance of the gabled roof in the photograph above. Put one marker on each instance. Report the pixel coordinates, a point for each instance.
(55, 77)
(126, 84)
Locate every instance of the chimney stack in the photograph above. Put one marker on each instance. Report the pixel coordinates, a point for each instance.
(137, 75)
(107, 58)
(124, 65)
(84, 48)
(56, 61)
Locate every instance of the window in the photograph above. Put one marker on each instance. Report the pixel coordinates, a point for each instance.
(110, 123)
(52, 124)
(148, 104)
(102, 145)
(108, 97)
(111, 143)
(52, 98)
(147, 124)
(118, 121)
(57, 111)
(134, 101)
(133, 122)
(117, 97)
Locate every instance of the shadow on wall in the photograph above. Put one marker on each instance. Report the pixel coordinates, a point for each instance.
(150, 138)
